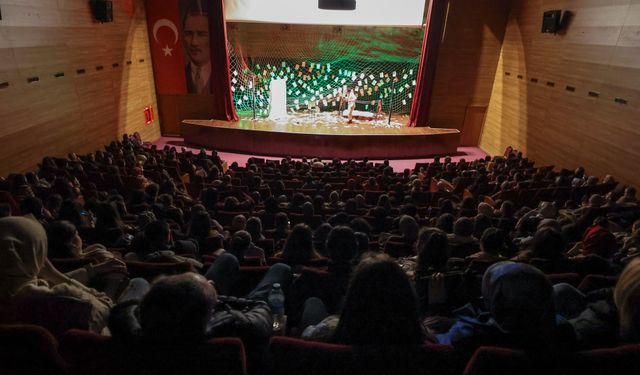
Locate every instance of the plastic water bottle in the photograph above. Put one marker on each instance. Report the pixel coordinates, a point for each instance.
(276, 303)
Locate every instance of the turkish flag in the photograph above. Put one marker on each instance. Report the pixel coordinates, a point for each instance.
(165, 38)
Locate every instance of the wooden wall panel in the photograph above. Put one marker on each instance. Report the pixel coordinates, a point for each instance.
(78, 112)
(554, 95)
(467, 59)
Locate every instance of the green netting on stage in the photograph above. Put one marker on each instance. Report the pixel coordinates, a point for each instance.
(316, 84)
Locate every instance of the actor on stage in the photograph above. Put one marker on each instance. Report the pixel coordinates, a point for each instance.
(351, 100)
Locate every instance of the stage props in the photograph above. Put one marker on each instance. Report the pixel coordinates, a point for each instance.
(278, 99)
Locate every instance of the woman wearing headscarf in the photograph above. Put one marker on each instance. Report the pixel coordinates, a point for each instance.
(25, 271)
(519, 313)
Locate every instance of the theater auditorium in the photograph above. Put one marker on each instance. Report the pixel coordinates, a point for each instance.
(283, 187)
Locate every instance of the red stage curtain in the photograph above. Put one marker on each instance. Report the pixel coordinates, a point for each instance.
(223, 107)
(426, 72)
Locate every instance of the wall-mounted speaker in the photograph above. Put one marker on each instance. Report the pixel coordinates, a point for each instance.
(337, 4)
(102, 10)
(551, 21)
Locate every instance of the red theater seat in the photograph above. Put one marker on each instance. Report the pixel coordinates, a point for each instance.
(622, 360)
(502, 361)
(29, 350)
(294, 356)
(89, 353)
(56, 314)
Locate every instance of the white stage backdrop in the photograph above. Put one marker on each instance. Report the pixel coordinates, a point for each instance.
(368, 12)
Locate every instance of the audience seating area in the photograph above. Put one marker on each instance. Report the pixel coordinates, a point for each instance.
(112, 195)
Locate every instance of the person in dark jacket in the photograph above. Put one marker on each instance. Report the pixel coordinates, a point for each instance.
(187, 308)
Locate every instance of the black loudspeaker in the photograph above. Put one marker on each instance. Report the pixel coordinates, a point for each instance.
(337, 4)
(102, 10)
(551, 21)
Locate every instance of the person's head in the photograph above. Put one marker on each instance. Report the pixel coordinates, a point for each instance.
(23, 241)
(626, 296)
(408, 227)
(32, 206)
(177, 308)
(157, 235)
(299, 244)
(281, 222)
(200, 225)
(320, 238)
(630, 192)
(507, 209)
(196, 38)
(360, 224)
(342, 246)
(463, 227)
(240, 242)
(520, 300)
(254, 227)
(64, 240)
(5, 209)
(107, 216)
(433, 250)
(445, 222)
(480, 224)
(492, 241)
(239, 222)
(380, 306)
(307, 209)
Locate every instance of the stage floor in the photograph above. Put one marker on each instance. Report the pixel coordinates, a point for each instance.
(322, 135)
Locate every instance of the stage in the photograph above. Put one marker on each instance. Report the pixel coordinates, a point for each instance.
(324, 135)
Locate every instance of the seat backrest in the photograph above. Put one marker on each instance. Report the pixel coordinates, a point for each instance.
(30, 350)
(294, 356)
(502, 361)
(56, 314)
(398, 249)
(149, 270)
(621, 360)
(89, 353)
(593, 282)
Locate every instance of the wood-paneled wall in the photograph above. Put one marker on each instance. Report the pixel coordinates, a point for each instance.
(467, 59)
(104, 79)
(573, 98)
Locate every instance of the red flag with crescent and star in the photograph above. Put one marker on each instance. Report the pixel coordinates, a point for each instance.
(164, 25)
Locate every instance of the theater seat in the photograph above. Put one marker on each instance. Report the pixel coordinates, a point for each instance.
(294, 356)
(93, 354)
(622, 360)
(502, 361)
(29, 350)
(149, 271)
(56, 314)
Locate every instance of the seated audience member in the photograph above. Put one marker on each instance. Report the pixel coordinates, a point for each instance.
(243, 247)
(597, 240)
(187, 309)
(461, 241)
(320, 238)
(629, 197)
(25, 271)
(435, 295)
(518, 313)
(156, 245)
(282, 227)
(408, 228)
(298, 249)
(491, 247)
(626, 296)
(379, 309)
(445, 223)
(603, 317)
(254, 227)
